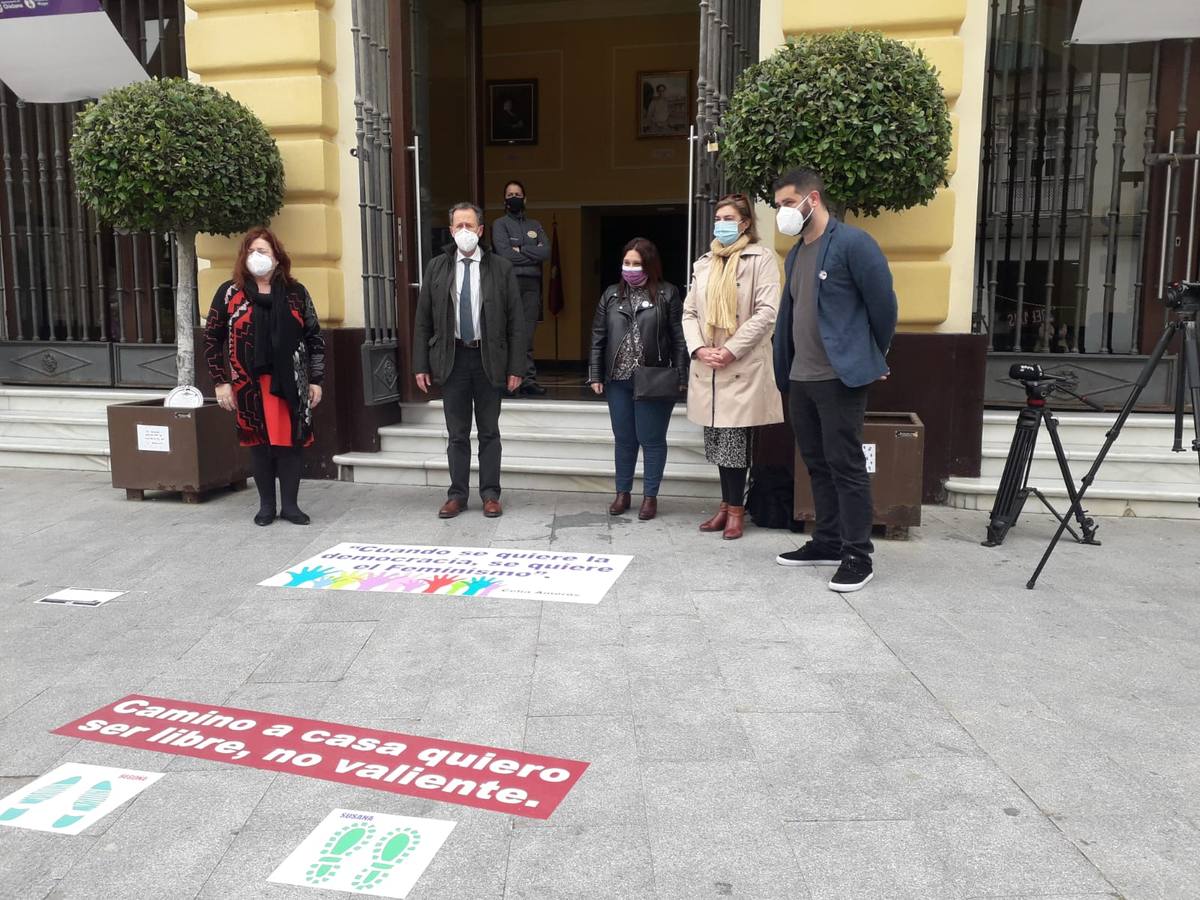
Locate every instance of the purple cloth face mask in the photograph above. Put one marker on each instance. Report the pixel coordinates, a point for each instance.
(633, 277)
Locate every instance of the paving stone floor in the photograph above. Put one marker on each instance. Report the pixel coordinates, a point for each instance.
(943, 734)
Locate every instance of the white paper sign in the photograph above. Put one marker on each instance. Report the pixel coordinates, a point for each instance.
(72, 797)
(155, 438)
(364, 853)
(467, 572)
(869, 453)
(81, 597)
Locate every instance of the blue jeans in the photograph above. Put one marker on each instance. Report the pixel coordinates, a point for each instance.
(638, 423)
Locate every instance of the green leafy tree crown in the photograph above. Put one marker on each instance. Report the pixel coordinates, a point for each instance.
(865, 111)
(173, 155)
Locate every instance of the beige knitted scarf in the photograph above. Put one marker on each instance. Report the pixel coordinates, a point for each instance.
(720, 307)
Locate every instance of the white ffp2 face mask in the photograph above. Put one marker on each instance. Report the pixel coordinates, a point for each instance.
(466, 240)
(259, 264)
(790, 221)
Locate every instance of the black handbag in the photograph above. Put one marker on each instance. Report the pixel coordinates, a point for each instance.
(659, 382)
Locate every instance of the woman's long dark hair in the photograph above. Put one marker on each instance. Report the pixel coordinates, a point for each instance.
(651, 265)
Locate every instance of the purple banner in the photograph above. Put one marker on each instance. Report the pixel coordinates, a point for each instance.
(20, 9)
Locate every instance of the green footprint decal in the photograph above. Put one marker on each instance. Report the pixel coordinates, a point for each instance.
(41, 795)
(89, 802)
(340, 844)
(390, 850)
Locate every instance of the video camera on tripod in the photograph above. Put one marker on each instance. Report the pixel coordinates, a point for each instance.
(1040, 383)
(1183, 298)
(1181, 294)
(1014, 488)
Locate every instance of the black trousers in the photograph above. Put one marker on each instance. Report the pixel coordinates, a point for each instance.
(531, 307)
(468, 391)
(827, 419)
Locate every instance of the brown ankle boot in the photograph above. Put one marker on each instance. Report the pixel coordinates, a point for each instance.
(620, 503)
(717, 522)
(649, 509)
(733, 525)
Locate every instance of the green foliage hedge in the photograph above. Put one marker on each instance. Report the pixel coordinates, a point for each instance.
(864, 110)
(172, 155)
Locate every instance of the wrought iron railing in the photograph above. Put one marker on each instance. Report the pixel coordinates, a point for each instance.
(80, 303)
(728, 45)
(376, 197)
(1064, 206)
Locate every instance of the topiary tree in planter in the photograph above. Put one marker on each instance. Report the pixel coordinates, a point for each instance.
(864, 110)
(171, 155)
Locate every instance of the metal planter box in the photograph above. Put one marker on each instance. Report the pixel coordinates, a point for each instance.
(189, 451)
(897, 441)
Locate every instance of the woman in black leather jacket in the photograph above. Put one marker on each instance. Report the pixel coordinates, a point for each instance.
(618, 349)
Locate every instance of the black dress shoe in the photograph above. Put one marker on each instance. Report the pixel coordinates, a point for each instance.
(264, 518)
(296, 517)
(533, 389)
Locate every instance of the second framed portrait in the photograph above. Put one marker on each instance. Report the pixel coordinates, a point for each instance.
(512, 112)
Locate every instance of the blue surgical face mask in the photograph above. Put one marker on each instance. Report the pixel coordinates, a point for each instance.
(726, 232)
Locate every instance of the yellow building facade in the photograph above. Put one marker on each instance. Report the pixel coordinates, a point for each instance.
(292, 63)
(931, 249)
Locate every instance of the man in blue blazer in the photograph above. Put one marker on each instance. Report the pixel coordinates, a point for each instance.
(836, 320)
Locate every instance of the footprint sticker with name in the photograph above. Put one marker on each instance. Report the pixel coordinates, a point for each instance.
(364, 853)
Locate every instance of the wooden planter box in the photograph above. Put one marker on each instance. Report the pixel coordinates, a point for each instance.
(899, 446)
(187, 451)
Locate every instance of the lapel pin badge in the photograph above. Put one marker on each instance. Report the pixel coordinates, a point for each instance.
(822, 274)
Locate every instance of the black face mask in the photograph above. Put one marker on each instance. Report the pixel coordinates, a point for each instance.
(515, 205)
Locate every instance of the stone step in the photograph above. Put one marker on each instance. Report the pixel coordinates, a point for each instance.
(1130, 465)
(53, 400)
(1089, 429)
(75, 454)
(585, 443)
(28, 424)
(563, 416)
(1104, 498)
(523, 473)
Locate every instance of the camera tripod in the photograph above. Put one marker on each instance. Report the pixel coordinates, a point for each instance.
(1014, 488)
(1185, 300)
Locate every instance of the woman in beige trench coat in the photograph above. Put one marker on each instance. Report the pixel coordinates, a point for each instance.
(728, 321)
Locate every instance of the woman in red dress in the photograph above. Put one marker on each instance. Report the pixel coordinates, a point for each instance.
(266, 356)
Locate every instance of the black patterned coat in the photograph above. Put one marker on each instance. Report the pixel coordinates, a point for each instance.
(229, 338)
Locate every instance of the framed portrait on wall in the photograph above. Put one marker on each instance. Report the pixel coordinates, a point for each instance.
(664, 103)
(512, 112)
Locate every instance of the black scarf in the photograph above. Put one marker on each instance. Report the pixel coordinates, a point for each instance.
(277, 335)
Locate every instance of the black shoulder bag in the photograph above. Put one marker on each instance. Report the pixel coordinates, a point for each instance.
(657, 382)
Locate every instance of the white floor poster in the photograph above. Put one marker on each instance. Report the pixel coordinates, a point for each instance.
(460, 571)
(364, 853)
(72, 797)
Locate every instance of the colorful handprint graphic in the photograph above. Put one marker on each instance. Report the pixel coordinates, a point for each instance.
(309, 574)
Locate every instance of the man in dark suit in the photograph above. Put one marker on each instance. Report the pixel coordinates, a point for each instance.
(836, 321)
(469, 338)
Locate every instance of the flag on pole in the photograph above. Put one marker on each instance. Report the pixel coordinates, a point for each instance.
(555, 300)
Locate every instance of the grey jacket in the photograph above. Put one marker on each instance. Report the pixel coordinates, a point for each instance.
(502, 326)
(522, 242)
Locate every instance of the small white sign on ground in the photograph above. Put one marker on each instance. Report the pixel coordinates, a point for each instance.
(72, 797)
(364, 853)
(81, 597)
(468, 572)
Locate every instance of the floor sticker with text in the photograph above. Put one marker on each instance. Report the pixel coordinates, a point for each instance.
(364, 853)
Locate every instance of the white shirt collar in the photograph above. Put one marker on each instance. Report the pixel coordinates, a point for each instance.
(476, 256)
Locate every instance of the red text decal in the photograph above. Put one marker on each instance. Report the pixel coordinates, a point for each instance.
(505, 781)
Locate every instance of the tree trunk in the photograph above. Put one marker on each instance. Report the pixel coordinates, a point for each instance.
(185, 302)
